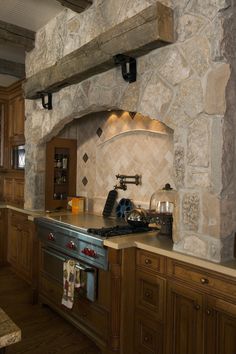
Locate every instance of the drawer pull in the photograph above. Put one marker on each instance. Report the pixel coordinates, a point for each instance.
(148, 294)
(204, 281)
(208, 312)
(148, 261)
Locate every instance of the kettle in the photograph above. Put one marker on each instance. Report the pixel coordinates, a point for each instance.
(137, 217)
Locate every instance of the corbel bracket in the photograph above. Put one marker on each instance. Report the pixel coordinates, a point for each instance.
(46, 104)
(128, 67)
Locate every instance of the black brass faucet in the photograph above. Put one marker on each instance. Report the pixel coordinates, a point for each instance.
(124, 180)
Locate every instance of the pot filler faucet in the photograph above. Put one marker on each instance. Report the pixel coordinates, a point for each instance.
(124, 180)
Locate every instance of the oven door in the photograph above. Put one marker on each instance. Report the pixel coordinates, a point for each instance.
(52, 264)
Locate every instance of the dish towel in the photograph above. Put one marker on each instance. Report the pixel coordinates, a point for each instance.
(69, 276)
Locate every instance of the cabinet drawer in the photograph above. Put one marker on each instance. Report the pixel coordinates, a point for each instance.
(150, 261)
(150, 295)
(92, 316)
(204, 279)
(148, 336)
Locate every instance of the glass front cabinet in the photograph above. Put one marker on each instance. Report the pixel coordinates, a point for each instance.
(61, 169)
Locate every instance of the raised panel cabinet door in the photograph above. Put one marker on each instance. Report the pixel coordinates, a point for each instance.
(220, 327)
(13, 235)
(150, 294)
(184, 320)
(3, 236)
(19, 116)
(25, 253)
(8, 189)
(148, 337)
(19, 185)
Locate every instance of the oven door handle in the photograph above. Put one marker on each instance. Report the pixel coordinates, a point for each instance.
(84, 269)
(54, 254)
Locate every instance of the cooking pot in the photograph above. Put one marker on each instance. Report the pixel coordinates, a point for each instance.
(137, 217)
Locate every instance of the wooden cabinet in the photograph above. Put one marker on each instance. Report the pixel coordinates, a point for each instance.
(201, 311)
(21, 245)
(16, 116)
(150, 299)
(182, 309)
(3, 236)
(185, 320)
(60, 172)
(13, 188)
(12, 120)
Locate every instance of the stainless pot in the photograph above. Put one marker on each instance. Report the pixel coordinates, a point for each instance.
(137, 217)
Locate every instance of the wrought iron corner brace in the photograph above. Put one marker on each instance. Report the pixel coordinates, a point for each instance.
(128, 67)
(48, 104)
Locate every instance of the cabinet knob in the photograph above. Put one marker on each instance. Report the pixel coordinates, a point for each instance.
(148, 261)
(204, 281)
(197, 307)
(208, 312)
(51, 237)
(146, 339)
(148, 294)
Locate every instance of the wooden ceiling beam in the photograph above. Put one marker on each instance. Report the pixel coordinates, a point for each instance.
(76, 5)
(136, 36)
(8, 67)
(16, 35)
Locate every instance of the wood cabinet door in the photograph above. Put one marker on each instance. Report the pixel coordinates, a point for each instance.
(16, 119)
(13, 235)
(184, 319)
(220, 327)
(3, 236)
(148, 338)
(150, 294)
(8, 189)
(24, 261)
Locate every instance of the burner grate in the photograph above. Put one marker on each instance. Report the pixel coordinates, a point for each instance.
(119, 230)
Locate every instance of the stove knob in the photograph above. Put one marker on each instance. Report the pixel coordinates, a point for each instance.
(51, 237)
(71, 245)
(89, 252)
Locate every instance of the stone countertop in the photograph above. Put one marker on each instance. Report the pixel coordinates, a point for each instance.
(150, 241)
(10, 333)
(162, 245)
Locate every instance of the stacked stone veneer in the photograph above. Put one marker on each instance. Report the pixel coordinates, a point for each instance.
(188, 85)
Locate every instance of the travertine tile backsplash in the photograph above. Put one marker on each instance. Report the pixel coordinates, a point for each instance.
(111, 143)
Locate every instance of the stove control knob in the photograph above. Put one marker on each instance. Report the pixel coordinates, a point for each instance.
(89, 252)
(71, 245)
(51, 237)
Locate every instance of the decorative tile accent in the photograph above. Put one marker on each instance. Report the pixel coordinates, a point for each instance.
(85, 157)
(84, 181)
(99, 132)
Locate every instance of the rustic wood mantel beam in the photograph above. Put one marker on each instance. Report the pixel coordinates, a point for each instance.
(8, 67)
(76, 5)
(16, 35)
(136, 36)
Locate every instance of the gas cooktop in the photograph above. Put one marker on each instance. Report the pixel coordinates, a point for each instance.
(118, 230)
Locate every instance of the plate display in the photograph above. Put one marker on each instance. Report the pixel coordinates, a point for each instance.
(123, 206)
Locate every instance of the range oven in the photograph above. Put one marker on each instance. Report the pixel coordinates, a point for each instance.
(63, 239)
(60, 244)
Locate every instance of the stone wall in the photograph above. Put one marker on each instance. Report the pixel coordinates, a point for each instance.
(189, 86)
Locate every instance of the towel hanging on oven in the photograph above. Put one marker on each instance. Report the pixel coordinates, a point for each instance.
(69, 277)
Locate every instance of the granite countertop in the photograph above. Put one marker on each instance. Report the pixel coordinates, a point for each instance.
(10, 333)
